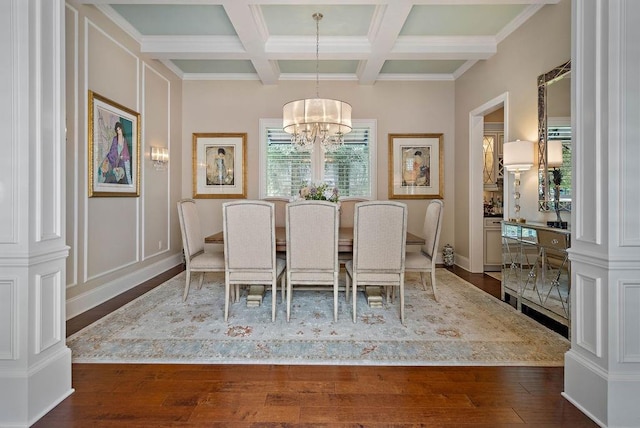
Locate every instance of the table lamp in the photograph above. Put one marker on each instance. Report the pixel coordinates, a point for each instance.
(517, 157)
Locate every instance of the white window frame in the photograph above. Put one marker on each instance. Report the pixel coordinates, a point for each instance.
(317, 159)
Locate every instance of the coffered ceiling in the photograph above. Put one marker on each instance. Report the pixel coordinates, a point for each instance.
(360, 40)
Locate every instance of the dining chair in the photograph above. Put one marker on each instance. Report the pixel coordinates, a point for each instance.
(196, 258)
(379, 245)
(250, 248)
(424, 261)
(312, 247)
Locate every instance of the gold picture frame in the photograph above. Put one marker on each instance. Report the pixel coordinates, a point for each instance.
(416, 166)
(114, 148)
(220, 165)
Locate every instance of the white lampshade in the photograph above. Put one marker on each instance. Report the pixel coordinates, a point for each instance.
(518, 155)
(332, 116)
(554, 154)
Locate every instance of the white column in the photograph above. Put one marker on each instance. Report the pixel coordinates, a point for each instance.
(35, 363)
(602, 369)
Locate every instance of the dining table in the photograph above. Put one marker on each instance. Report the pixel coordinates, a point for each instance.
(345, 249)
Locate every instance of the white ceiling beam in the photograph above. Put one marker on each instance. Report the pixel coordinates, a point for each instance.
(251, 29)
(385, 28)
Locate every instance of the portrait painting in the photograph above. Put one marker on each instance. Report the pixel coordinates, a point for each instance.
(219, 165)
(415, 166)
(114, 147)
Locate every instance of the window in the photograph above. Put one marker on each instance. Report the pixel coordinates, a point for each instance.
(559, 129)
(284, 170)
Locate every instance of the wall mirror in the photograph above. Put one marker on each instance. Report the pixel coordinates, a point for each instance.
(554, 140)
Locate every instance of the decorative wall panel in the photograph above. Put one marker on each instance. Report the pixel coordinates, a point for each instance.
(48, 304)
(588, 312)
(8, 109)
(8, 320)
(48, 161)
(630, 321)
(155, 110)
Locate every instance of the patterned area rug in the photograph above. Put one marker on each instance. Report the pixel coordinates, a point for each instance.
(465, 327)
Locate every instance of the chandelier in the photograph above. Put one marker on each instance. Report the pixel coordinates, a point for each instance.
(317, 119)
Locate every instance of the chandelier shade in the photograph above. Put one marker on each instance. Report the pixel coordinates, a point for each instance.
(321, 119)
(317, 117)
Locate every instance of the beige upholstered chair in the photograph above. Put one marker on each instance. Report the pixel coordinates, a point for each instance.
(424, 261)
(197, 259)
(250, 248)
(312, 247)
(379, 245)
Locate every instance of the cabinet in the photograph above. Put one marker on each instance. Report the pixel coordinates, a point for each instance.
(536, 270)
(492, 244)
(492, 170)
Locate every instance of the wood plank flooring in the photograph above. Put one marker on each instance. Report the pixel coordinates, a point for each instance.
(162, 395)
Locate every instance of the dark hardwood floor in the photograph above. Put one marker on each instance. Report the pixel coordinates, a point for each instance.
(162, 395)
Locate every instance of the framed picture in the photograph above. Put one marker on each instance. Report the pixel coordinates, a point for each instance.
(114, 148)
(220, 165)
(415, 166)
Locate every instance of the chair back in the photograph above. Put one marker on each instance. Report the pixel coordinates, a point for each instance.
(280, 208)
(379, 236)
(192, 237)
(431, 229)
(312, 236)
(347, 208)
(249, 235)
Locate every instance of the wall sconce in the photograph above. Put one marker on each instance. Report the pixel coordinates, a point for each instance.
(160, 157)
(517, 157)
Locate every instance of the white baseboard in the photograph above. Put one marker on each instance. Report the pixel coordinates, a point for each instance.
(85, 301)
(463, 262)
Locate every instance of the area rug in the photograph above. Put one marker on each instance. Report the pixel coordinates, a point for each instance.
(465, 326)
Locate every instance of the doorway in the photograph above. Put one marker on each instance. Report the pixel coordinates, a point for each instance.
(476, 182)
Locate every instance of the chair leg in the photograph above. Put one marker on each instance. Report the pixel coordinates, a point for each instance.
(186, 286)
(289, 293)
(354, 292)
(335, 298)
(433, 284)
(424, 281)
(201, 281)
(346, 287)
(283, 293)
(226, 299)
(402, 302)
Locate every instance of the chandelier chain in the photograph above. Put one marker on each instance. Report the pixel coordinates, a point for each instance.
(325, 121)
(317, 16)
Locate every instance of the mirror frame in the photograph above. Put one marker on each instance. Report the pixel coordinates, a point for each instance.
(545, 203)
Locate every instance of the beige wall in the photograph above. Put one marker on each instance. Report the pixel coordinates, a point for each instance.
(116, 242)
(541, 44)
(398, 107)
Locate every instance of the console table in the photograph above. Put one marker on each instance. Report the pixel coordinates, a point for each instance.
(536, 271)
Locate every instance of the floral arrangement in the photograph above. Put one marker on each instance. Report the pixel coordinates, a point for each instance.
(319, 192)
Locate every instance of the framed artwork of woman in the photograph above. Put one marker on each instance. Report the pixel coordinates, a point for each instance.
(114, 148)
